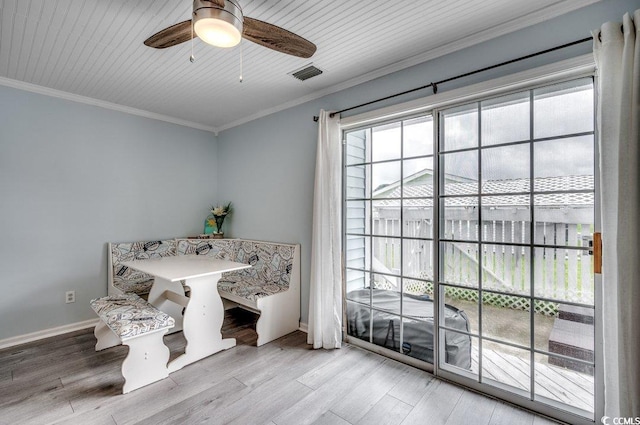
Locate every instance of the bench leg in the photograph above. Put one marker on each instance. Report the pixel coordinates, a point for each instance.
(277, 318)
(106, 338)
(146, 362)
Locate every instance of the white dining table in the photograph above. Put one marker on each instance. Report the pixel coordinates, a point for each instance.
(203, 309)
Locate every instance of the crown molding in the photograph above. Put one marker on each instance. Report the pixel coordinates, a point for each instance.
(34, 88)
(508, 27)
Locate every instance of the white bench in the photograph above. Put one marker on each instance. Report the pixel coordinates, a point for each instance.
(128, 319)
(270, 288)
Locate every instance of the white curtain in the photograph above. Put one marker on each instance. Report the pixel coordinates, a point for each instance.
(325, 297)
(617, 55)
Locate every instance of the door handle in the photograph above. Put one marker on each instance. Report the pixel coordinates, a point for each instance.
(595, 250)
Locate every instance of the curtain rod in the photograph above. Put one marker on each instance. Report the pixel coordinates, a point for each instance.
(434, 85)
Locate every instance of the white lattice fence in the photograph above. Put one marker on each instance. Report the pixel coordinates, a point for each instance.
(416, 287)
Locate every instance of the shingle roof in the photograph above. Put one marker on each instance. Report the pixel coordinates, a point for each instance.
(544, 184)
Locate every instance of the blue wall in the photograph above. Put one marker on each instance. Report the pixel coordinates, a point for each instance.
(74, 177)
(266, 167)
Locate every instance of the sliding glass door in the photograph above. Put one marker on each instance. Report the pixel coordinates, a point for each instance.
(466, 242)
(516, 203)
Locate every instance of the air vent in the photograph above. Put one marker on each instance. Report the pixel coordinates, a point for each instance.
(306, 73)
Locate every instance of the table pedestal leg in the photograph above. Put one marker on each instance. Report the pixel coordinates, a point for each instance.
(157, 299)
(202, 323)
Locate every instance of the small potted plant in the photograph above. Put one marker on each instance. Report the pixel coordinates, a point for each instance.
(219, 213)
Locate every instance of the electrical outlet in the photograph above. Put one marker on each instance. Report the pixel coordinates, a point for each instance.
(70, 297)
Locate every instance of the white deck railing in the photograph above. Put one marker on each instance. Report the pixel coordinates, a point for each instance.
(560, 271)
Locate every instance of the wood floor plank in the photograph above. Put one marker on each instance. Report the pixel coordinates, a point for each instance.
(101, 405)
(412, 386)
(37, 364)
(262, 403)
(196, 409)
(292, 362)
(317, 377)
(204, 383)
(41, 403)
(294, 339)
(46, 367)
(223, 364)
(436, 405)
(47, 346)
(94, 418)
(330, 418)
(472, 408)
(388, 411)
(354, 368)
(14, 391)
(370, 390)
(504, 414)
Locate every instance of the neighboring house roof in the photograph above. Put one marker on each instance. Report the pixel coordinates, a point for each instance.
(413, 188)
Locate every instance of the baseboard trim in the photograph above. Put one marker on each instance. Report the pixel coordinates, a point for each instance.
(47, 333)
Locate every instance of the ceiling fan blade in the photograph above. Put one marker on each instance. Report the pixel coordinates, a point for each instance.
(175, 34)
(276, 38)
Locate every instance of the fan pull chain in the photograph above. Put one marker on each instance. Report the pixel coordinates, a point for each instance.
(241, 51)
(192, 58)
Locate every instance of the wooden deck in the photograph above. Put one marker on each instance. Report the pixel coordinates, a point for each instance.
(551, 382)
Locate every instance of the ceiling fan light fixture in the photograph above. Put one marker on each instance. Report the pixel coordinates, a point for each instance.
(216, 26)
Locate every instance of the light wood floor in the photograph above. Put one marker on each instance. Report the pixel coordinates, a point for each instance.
(63, 380)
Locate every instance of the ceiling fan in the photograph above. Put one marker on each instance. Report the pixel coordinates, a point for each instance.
(221, 23)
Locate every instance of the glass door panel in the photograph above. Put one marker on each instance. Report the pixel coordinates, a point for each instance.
(389, 286)
(514, 249)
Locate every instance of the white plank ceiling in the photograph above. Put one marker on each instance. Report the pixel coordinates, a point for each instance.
(93, 48)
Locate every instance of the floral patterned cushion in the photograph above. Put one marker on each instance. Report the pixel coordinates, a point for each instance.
(129, 315)
(248, 287)
(217, 248)
(129, 280)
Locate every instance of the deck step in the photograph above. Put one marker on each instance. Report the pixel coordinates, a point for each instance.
(576, 314)
(572, 339)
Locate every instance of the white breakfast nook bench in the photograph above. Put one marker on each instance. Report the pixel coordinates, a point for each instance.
(128, 319)
(270, 287)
